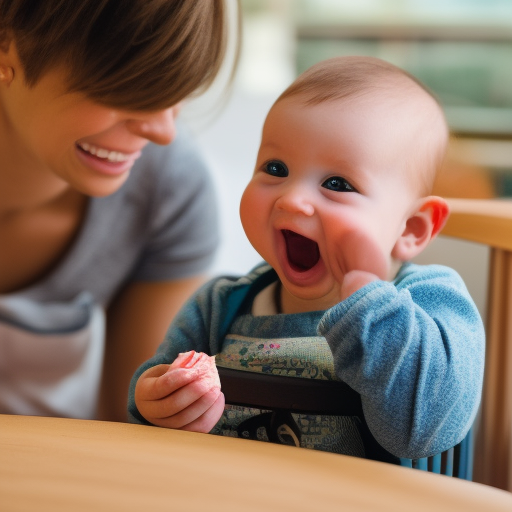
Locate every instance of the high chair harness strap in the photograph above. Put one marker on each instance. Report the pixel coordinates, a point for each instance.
(293, 394)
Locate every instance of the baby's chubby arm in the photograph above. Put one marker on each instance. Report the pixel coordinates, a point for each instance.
(414, 350)
(184, 395)
(171, 390)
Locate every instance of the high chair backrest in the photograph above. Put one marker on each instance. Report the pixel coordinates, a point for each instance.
(489, 222)
(306, 396)
(456, 461)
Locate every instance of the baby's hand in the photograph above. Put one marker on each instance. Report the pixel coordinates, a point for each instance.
(354, 280)
(185, 395)
(363, 261)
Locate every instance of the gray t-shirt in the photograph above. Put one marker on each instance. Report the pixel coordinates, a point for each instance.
(160, 225)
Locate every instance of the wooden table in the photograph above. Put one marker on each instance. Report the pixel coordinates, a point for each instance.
(49, 464)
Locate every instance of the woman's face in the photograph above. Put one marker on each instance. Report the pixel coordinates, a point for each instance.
(90, 146)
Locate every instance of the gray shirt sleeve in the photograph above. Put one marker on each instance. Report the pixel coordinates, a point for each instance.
(182, 222)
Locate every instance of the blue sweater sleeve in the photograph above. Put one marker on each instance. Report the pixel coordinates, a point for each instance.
(190, 330)
(414, 350)
(200, 325)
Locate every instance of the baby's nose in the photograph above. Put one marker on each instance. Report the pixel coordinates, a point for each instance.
(296, 200)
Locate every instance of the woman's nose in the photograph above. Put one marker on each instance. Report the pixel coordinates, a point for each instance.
(158, 127)
(296, 200)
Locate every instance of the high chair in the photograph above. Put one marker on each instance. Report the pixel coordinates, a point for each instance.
(307, 396)
(489, 222)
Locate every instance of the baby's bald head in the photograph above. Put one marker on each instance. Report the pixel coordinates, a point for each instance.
(392, 93)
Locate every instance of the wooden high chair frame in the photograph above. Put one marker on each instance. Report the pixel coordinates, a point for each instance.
(489, 222)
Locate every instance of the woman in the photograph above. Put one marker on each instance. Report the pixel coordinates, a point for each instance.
(105, 227)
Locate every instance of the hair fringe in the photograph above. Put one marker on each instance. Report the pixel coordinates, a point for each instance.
(130, 54)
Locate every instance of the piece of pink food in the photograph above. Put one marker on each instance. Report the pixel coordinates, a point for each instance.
(201, 363)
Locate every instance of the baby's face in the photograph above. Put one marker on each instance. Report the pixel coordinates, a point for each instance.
(329, 194)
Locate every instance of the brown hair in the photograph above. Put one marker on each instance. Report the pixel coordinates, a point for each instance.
(130, 54)
(354, 76)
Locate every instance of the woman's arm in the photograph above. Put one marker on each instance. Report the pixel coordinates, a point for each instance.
(137, 321)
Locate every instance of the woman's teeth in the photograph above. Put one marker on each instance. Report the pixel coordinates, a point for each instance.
(105, 154)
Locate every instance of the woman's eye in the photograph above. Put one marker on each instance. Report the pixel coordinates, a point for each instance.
(276, 168)
(338, 185)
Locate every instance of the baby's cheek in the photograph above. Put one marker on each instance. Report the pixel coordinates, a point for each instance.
(254, 215)
(248, 209)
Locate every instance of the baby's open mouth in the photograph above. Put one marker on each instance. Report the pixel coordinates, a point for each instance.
(303, 253)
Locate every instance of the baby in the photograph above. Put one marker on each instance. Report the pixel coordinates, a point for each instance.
(338, 204)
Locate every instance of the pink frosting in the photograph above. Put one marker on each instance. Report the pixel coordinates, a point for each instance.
(201, 363)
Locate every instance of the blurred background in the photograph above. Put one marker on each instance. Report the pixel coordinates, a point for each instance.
(461, 49)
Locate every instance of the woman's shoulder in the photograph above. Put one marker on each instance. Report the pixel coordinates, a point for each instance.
(180, 159)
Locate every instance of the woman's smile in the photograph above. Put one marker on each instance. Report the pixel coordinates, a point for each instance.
(105, 154)
(104, 160)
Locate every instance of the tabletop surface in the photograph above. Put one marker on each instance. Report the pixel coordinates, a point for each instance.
(74, 465)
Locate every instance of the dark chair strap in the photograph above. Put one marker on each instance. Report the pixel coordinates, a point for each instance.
(299, 395)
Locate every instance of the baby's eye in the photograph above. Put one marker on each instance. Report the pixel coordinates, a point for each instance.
(338, 185)
(276, 168)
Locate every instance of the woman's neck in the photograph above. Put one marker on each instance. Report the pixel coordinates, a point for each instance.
(25, 183)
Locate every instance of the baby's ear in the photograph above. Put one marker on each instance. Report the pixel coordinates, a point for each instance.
(421, 227)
